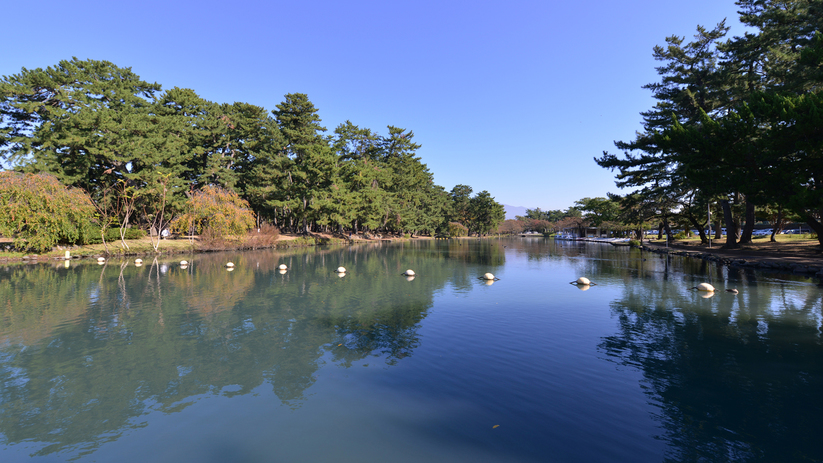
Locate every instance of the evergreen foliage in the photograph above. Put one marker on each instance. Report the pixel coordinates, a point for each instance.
(144, 154)
(736, 124)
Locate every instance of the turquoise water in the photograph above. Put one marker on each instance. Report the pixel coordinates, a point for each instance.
(162, 363)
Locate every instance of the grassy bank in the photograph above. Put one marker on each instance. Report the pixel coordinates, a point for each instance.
(793, 246)
(143, 246)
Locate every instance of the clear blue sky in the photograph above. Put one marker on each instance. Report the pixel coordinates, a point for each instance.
(511, 97)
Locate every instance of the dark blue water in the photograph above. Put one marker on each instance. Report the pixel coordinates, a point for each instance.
(161, 363)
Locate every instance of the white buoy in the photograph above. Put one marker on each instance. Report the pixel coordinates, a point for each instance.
(229, 269)
(584, 287)
(101, 259)
(229, 264)
(706, 294)
(282, 271)
(283, 267)
(341, 274)
(138, 261)
(341, 269)
(184, 262)
(409, 273)
(67, 264)
(410, 277)
(184, 267)
(489, 282)
(488, 276)
(704, 287)
(583, 282)
(68, 255)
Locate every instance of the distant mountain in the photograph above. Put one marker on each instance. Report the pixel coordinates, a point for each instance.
(512, 211)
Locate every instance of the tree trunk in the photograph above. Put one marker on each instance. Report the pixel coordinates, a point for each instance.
(731, 236)
(746, 236)
(778, 225)
(700, 230)
(660, 231)
(817, 227)
(668, 230)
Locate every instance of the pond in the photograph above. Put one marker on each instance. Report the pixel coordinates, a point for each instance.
(170, 363)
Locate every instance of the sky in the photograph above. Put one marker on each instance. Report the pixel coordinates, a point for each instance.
(515, 98)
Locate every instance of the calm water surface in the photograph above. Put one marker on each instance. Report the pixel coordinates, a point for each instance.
(160, 363)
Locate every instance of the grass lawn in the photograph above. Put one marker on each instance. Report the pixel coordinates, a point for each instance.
(807, 245)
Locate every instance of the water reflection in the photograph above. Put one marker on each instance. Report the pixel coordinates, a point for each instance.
(86, 351)
(90, 353)
(733, 376)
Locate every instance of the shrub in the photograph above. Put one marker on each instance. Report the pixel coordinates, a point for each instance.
(264, 238)
(457, 229)
(680, 236)
(634, 243)
(220, 211)
(211, 241)
(38, 212)
(113, 234)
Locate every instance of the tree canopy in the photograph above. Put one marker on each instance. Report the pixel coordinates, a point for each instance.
(144, 154)
(736, 123)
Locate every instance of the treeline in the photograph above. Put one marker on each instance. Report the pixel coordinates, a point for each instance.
(737, 127)
(141, 154)
(586, 212)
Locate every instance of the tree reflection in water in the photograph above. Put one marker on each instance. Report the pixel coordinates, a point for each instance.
(86, 351)
(734, 379)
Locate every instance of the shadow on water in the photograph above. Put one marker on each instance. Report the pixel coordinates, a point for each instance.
(86, 351)
(730, 377)
(734, 377)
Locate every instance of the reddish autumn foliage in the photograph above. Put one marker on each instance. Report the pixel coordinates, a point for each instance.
(510, 227)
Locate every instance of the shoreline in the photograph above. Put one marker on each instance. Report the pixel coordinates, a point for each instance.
(143, 247)
(798, 263)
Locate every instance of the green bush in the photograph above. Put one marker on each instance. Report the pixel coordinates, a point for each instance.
(457, 229)
(113, 234)
(634, 243)
(681, 236)
(38, 212)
